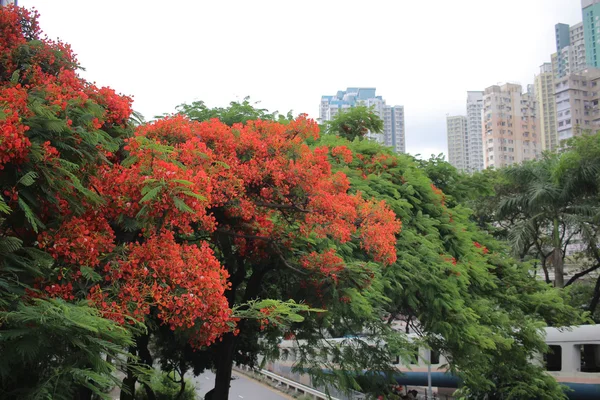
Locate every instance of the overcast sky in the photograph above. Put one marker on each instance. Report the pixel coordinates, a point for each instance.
(421, 54)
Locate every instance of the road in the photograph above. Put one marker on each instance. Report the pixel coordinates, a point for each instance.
(242, 388)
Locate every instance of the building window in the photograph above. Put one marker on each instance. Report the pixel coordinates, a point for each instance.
(414, 359)
(553, 359)
(590, 357)
(434, 357)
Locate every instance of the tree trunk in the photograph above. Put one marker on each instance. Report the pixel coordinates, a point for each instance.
(595, 298)
(545, 269)
(128, 391)
(146, 358)
(83, 394)
(557, 258)
(140, 349)
(224, 367)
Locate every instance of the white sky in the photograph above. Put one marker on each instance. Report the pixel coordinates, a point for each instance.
(421, 54)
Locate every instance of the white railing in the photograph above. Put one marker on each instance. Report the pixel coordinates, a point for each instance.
(297, 387)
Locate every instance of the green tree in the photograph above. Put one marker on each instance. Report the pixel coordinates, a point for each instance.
(237, 112)
(453, 283)
(355, 123)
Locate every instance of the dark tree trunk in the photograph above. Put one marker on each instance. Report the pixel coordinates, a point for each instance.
(181, 388)
(557, 257)
(128, 391)
(140, 349)
(146, 358)
(557, 260)
(84, 394)
(224, 367)
(595, 297)
(545, 269)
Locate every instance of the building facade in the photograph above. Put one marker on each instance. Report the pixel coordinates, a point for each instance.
(510, 130)
(570, 49)
(465, 145)
(474, 154)
(392, 116)
(591, 31)
(546, 112)
(576, 97)
(456, 129)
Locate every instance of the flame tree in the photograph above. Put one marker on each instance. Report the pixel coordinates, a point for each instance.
(171, 224)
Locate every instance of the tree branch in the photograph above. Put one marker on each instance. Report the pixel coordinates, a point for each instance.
(282, 206)
(240, 235)
(582, 273)
(286, 263)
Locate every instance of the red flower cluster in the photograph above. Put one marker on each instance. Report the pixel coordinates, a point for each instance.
(439, 193)
(48, 74)
(185, 283)
(482, 247)
(14, 145)
(342, 152)
(80, 240)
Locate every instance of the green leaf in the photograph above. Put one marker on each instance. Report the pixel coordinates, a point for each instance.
(181, 206)
(14, 79)
(4, 208)
(29, 215)
(183, 182)
(89, 274)
(10, 244)
(28, 179)
(150, 194)
(195, 195)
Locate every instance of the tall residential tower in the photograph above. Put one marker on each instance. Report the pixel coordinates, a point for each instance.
(456, 128)
(475, 143)
(570, 49)
(510, 129)
(392, 116)
(591, 22)
(546, 112)
(577, 103)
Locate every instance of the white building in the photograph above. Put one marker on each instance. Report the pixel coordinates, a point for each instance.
(456, 128)
(577, 109)
(392, 116)
(546, 112)
(474, 151)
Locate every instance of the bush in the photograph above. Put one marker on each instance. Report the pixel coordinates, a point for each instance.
(165, 389)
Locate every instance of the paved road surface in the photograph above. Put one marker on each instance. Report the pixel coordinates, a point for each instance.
(242, 388)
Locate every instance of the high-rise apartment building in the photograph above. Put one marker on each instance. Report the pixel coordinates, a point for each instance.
(392, 116)
(510, 129)
(591, 22)
(474, 154)
(465, 146)
(570, 49)
(577, 109)
(546, 112)
(456, 128)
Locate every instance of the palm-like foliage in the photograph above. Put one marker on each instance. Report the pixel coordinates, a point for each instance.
(544, 213)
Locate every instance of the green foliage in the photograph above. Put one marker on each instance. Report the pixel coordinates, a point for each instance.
(481, 311)
(168, 386)
(355, 123)
(51, 349)
(274, 312)
(236, 113)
